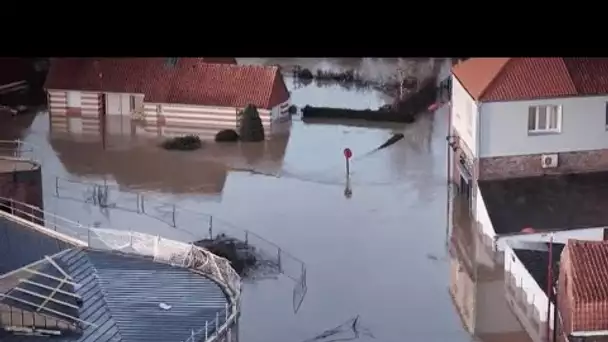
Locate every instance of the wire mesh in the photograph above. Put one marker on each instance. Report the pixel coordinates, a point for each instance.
(273, 259)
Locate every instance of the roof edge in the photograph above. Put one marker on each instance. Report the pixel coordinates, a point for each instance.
(493, 80)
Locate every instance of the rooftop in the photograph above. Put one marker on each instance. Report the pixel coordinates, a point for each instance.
(190, 81)
(547, 203)
(13, 238)
(589, 280)
(536, 261)
(511, 79)
(111, 296)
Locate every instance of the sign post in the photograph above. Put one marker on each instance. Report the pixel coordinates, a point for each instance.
(347, 155)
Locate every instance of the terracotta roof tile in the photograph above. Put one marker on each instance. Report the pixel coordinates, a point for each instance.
(511, 79)
(589, 282)
(189, 81)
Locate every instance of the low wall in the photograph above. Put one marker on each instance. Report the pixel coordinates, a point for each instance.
(589, 234)
(21, 180)
(309, 112)
(527, 300)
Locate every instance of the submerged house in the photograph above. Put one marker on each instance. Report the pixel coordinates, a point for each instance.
(161, 96)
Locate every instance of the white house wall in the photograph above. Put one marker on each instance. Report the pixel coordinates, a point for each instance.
(464, 115)
(504, 127)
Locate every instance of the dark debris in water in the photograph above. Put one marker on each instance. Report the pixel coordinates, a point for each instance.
(348, 331)
(247, 260)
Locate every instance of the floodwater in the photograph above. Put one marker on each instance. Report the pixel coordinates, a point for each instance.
(380, 254)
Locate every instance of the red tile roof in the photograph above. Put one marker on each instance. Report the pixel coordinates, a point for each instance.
(589, 283)
(190, 81)
(511, 79)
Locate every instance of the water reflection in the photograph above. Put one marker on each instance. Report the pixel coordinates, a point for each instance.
(477, 283)
(140, 164)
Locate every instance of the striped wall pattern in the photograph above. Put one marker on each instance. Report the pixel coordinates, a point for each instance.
(83, 120)
(169, 120)
(158, 120)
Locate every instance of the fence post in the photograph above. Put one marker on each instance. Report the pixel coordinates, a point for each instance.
(138, 203)
(246, 237)
(143, 201)
(173, 216)
(206, 330)
(211, 226)
(279, 260)
(57, 186)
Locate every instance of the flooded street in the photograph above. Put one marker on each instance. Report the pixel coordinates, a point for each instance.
(380, 254)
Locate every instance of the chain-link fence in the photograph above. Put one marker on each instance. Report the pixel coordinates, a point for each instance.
(162, 250)
(201, 226)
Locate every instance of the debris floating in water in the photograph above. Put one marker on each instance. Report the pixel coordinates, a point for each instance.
(347, 331)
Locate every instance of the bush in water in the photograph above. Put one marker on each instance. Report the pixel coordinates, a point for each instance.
(227, 135)
(185, 143)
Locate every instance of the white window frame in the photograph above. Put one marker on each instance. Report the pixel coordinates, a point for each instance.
(548, 111)
(73, 99)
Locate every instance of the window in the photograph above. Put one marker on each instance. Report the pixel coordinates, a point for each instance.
(544, 119)
(73, 99)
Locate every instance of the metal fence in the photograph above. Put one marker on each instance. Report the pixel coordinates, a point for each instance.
(160, 249)
(196, 223)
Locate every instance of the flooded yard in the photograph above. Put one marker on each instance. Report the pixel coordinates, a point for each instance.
(380, 255)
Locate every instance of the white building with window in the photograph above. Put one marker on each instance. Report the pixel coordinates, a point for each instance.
(521, 117)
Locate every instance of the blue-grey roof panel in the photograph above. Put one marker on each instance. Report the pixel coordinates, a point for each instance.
(121, 296)
(20, 246)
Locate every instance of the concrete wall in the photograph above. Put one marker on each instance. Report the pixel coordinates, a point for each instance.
(21, 180)
(464, 116)
(525, 297)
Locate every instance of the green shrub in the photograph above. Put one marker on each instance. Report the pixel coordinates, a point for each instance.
(185, 143)
(227, 135)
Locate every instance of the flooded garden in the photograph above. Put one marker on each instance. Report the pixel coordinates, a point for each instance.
(325, 266)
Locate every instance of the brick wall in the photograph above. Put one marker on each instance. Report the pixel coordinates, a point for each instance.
(530, 165)
(24, 186)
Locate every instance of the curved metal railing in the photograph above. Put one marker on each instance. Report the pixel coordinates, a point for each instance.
(160, 249)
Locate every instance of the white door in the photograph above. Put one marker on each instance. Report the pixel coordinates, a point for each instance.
(126, 104)
(113, 104)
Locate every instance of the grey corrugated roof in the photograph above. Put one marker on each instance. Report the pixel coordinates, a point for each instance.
(20, 245)
(121, 296)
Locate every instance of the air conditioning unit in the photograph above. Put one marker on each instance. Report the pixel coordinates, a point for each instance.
(548, 161)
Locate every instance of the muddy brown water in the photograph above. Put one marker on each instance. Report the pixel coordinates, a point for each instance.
(380, 254)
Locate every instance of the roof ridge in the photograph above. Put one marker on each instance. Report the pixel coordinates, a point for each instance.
(570, 78)
(493, 80)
